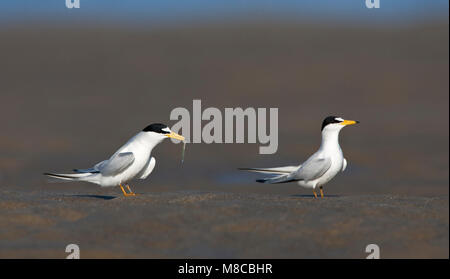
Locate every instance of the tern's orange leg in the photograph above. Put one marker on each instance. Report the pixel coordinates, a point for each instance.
(124, 192)
(315, 194)
(321, 192)
(131, 192)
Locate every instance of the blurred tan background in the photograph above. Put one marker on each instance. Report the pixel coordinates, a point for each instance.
(71, 96)
(76, 84)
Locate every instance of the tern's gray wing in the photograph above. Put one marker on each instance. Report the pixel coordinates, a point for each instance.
(117, 164)
(95, 169)
(284, 178)
(313, 168)
(279, 170)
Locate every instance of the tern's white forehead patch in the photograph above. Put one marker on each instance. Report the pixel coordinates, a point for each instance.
(166, 129)
(339, 119)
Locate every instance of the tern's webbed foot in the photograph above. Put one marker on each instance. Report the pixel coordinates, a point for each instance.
(125, 192)
(131, 192)
(321, 193)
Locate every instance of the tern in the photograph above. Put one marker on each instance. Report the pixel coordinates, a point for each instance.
(131, 161)
(321, 167)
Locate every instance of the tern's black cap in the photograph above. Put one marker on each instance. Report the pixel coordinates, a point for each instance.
(157, 128)
(330, 120)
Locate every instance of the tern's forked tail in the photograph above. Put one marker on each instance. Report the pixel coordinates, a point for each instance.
(71, 176)
(284, 174)
(277, 170)
(284, 178)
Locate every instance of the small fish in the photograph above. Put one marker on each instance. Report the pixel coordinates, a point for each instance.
(183, 151)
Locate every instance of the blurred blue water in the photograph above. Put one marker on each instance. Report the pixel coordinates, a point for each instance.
(156, 11)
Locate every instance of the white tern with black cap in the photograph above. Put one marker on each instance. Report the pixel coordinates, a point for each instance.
(131, 161)
(321, 167)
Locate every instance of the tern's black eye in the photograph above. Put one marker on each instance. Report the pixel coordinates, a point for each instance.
(157, 128)
(330, 120)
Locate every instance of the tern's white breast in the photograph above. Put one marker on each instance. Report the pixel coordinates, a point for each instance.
(337, 161)
(141, 152)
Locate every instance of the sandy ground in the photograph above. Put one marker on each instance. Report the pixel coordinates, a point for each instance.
(71, 95)
(221, 225)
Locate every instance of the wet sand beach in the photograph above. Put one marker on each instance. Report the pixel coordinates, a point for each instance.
(222, 225)
(70, 96)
